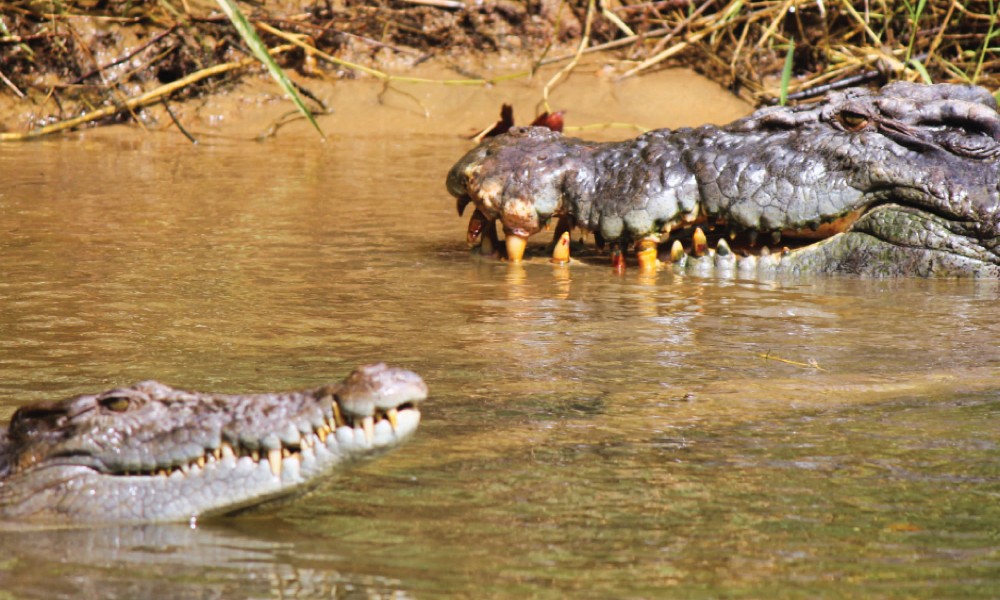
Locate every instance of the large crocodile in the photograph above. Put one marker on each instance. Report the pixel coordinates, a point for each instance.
(900, 181)
(153, 453)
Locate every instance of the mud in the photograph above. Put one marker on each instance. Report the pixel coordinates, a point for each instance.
(596, 107)
(62, 60)
(55, 66)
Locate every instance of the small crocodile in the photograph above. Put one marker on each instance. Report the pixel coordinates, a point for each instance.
(903, 181)
(152, 453)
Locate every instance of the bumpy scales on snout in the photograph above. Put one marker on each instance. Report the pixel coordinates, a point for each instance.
(902, 181)
(153, 453)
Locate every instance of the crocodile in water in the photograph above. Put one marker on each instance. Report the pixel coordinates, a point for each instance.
(153, 453)
(897, 182)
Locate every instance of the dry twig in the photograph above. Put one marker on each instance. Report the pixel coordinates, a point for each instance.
(139, 101)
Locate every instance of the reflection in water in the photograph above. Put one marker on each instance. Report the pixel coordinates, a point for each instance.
(588, 434)
(143, 561)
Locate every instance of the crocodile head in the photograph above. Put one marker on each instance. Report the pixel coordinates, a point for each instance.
(902, 181)
(154, 453)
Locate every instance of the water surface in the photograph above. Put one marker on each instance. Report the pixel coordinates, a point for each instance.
(588, 434)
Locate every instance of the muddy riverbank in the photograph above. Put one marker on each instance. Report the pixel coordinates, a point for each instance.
(92, 61)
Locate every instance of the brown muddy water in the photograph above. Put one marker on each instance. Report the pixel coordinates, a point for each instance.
(588, 434)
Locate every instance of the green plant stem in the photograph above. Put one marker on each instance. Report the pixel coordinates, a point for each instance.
(246, 31)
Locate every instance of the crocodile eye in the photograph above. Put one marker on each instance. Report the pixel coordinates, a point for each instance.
(852, 121)
(115, 403)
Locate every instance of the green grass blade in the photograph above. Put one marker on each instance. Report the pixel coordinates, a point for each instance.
(919, 68)
(915, 14)
(246, 31)
(786, 72)
(986, 43)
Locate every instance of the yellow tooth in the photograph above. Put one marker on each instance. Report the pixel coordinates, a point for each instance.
(391, 414)
(322, 432)
(201, 461)
(338, 418)
(274, 458)
(306, 442)
(560, 254)
(255, 456)
(369, 426)
(676, 251)
(217, 454)
(647, 259)
(227, 451)
(647, 255)
(699, 243)
(515, 247)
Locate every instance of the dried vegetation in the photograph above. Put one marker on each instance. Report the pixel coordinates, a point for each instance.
(66, 63)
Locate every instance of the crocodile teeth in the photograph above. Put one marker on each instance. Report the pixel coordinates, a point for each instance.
(338, 417)
(227, 451)
(322, 432)
(560, 254)
(723, 248)
(368, 424)
(647, 255)
(392, 416)
(699, 243)
(274, 459)
(676, 251)
(200, 462)
(515, 246)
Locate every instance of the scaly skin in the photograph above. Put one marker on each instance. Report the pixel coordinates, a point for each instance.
(903, 181)
(153, 453)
